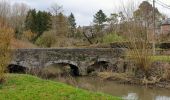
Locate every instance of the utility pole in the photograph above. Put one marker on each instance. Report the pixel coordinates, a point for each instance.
(154, 34)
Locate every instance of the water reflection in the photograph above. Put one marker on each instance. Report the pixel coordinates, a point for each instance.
(162, 98)
(127, 92)
(131, 96)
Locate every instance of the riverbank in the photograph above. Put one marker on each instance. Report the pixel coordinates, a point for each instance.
(123, 78)
(27, 87)
(128, 92)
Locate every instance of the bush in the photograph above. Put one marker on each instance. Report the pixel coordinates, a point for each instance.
(28, 35)
(112, 37)
(46, 40)
(5, 38)
(140, 50)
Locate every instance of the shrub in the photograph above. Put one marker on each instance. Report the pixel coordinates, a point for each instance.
(141, 51)
(112, 37)
(28, 35)
(47, 39)
(5, 38)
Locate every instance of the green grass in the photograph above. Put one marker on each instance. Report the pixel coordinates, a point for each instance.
(26, 87)
(112, 37)
(161, 58)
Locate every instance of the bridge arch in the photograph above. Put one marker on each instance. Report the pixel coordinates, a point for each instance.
(16, 68)
(74, 68)
(100, 65)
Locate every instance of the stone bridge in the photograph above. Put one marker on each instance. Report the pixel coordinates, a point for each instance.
(77, 58)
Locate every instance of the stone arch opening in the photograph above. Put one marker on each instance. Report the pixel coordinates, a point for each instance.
(99, 66)
(74, 70)
(64, 68)
(13, 68)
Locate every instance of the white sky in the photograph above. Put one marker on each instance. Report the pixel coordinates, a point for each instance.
(85, 9)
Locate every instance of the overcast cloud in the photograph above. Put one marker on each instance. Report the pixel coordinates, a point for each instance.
(85, 9)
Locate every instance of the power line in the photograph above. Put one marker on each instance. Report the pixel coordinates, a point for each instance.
(163, 5)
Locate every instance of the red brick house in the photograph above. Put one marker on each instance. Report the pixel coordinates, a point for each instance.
(165, 27)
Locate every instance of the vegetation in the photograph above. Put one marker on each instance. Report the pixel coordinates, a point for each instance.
(28, 87)
(28, 35)
(5, 39)
(33, 28)
(99, 20)
(145, 14)
(14, 15)
(161, 58)
(38, 22)
(113, 21)
(47, 39)
(100, 17)
(72, 23)
(30, 24)
(138, 28)
(112, 37)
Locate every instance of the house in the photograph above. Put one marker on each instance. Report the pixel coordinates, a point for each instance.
(88, 30)
(165, 27)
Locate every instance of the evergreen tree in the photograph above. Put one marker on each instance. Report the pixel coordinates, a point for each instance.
(72, 23)
(43, 22)
(99, 19)
(30, 22)
(38, 22)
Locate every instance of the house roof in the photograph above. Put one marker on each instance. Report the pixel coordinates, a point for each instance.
(166, 21)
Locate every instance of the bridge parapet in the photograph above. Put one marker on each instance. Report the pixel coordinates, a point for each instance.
(80, 57)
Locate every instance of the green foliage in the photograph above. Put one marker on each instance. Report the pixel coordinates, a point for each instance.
(112, 37)
(27, 87)
(100, 17)
(161, 58)
(47, 39)
(43, 21)
(38, 22)
(30, 22)
(72, 23)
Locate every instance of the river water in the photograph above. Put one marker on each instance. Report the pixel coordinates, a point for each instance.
(127, 92)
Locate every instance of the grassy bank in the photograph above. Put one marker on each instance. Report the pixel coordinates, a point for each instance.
(161, 58)
(26, 87)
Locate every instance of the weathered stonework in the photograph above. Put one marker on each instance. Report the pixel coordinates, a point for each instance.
(82, 58)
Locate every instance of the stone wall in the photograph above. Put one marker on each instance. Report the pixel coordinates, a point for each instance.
(80, 57)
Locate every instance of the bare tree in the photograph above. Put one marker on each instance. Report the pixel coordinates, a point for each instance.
(56, 9)
(5, 9)
(59, 20)
(140, 49)
(18, 16)
(13, 15)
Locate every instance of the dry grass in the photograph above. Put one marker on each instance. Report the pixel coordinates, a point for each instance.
(114, 76)
(141, 52)
(5, 38)
(141, 57)
(21, 44)
(69, 42)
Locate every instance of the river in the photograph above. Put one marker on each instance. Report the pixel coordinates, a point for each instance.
(128, 92)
